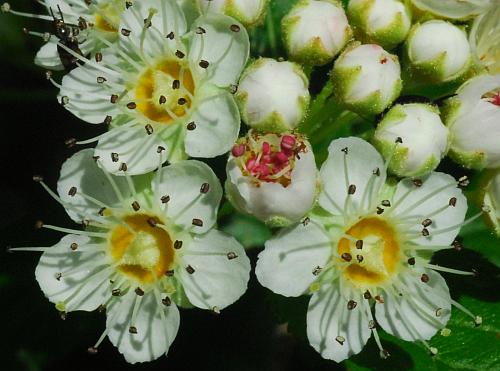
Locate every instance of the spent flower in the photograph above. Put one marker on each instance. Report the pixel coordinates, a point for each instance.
(149, 245)
(315, 31)
(368, 249)
(161, 85)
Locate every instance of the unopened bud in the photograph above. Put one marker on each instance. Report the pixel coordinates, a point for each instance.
(248, 12)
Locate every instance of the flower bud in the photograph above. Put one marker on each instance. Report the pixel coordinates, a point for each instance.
(485, 41)
(272, 176)
(273, 96)
(437, 51)
(492, 201)
(473, 117)
(367, 79)
(383, 22)
(412, 138)
(453, 9)
(248, 12)
(315, 31)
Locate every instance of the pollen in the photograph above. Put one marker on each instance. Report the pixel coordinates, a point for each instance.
(141, 249)
(164, 92)
(380, 252)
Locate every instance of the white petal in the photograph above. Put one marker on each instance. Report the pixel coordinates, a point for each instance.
(217, 281)
(182, 182)
(330, 323)
(225, 50)
(87, 287)
(168, 18)
(217, 122)
(423, 309)
(287, 263)
(362, 160)
(431, 201)
(155, 333)
(48, 56)
(134, 147)
(87, 99)
(82, 172)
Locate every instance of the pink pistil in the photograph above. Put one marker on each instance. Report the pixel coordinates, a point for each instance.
(238, 150)
(496, 99)
(266, 148)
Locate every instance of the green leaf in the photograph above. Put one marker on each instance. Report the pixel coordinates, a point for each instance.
(249, 231)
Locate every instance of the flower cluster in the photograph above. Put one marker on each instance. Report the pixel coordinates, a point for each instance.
(172, 80)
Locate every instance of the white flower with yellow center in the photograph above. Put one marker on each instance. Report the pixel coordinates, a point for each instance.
(148, 246)
(454, 9)
(161, 85)
(368, 250)
(248, 12)
(484, 39)
(492, 200)
(86, 26)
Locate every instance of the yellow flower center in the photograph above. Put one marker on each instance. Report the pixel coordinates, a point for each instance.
(164, 92)
(374, 258)
(141, 249)
(107, 16)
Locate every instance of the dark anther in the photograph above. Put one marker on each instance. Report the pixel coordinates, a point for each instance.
(359, 244)
(165, 199)
(162, 99)
(160, 149)
(345, 150)
(73, 246)
(376, 172)
(147, 22)
(340, 340)
(101, 211)
(92, 350)
(181, 101)
(149, 129)
(200, 30)
(380, 299)
(116, 292)
(179, 54)
(72, 191)
(347, 257)
(101, 308)
(316, 271)
(399, 140)
(101, 80)
(132, 330)
(475, 272)
(425, 232)
(37, 178)
(166, 301)
(233, 89)
(371, 324)
(64, 100)
(171, 36)
(136, 206)
(463, 181)
(125, 32)
(190, 269)
(411, 261)
(231, 255)
(204, 64)
(48, 75)
(114, 98)
(198, 222)
(457, 245)
(70, 142)
(306, 221)
(38, 224)
(191, 126)
(386, 203)
(169, 273)
(235, 28)
(439, 312)
(95, 158)
(176, 84)
(205, 187)
(351, 304)
(453, 201)
(114, 157)
(139, 291)
(177, 244)
(107, 120)
(58, 276)
(424, 278)
(379, 210)
(426, 222)
(152, 222)
(360, 258)
(418, 182)
(123, 167)
(384, 354)
(128, 4)
(367, 295)
(352, 189)
(98, 57)
(131, 105)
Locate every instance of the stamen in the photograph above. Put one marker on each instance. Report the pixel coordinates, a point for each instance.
(448, 270)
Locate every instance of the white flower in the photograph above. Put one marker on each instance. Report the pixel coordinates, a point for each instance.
(367, 79)
(438, 51)
(368, 250)
(454, 9)
(150, 245)
(484, 39)
(272, 177)
(248, 12)
(87, 26)
(473, 117)
(161, 85)
(423, 137)
(273, 96)
(492, 200)
(383, 22)
(315, 31)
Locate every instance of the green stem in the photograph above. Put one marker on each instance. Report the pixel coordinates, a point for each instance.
(312, 122)
(271, 33)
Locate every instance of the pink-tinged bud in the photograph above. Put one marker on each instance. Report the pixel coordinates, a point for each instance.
(266, 148)
(238, 150)
(287, 142)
